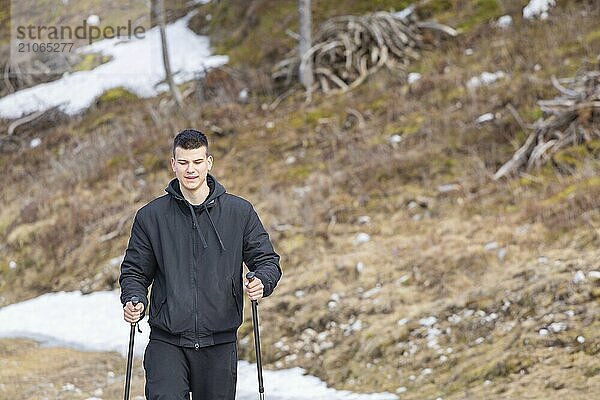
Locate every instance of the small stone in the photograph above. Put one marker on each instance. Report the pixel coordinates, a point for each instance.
(12, 264)
(360, 267)
(491, 246)
(487, 382)
(395, 139)
(35, 143)
(504, 21)
(93, 20)
(594, 275)
(580, 339)
(427, 371)
(299, 293)
(501, 253)
(487, 117)
(579, 277)
(544, 332)
(449, 187)
(361, 238)
(479, 340)
(98, 392)
(429, 321)
(270, 125)
(403, 321)
(557, 327)
(290, 160)
(443, 358)
(401, 390)
(363, 219)
(412, 378)
(469, 52)
(413, 77)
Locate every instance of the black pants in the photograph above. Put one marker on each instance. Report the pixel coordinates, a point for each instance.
(172, 372)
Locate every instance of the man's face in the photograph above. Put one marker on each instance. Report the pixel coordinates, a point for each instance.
(191, 167)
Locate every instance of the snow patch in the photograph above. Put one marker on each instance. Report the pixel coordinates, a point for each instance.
(135, 65)
(95, 322)
(538, 8)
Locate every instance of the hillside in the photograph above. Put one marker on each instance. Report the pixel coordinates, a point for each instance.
(466, 287)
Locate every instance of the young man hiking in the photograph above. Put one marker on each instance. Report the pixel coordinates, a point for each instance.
(190, 244)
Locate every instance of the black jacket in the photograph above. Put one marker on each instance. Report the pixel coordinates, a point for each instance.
(193, 256)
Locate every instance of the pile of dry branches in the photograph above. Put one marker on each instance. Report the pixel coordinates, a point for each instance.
(573, 118)
(347, 49)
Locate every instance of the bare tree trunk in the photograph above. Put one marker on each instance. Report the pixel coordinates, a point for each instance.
(305, 72)
(160, 9)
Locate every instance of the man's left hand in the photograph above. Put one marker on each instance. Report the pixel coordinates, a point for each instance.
(254, 288)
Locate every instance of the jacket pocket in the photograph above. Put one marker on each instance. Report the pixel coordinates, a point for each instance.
(235, 294)
(154, 312)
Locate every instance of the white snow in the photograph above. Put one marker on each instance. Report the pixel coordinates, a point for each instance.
(95, 322)
(136, 65)
(537, 8)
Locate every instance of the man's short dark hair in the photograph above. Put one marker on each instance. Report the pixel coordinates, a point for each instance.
(190, 139)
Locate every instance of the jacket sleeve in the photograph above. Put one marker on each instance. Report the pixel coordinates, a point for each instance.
(259, 255)
(139, 265)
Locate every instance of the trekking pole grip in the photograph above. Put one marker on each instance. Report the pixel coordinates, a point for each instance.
(134, 300)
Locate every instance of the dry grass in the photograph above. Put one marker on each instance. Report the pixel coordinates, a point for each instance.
(427, 255)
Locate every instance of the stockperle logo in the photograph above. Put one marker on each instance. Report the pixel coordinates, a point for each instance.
(55, 33)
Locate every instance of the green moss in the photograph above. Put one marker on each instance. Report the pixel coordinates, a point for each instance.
(116, 94)
(572, 190)
(593, 36)
(482, 11)
(299, 172)
(91, 61)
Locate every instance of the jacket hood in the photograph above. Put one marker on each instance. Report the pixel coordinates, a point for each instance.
(216, 190)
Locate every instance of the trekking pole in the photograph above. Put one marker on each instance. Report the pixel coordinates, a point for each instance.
(134, 301)
(261, 389)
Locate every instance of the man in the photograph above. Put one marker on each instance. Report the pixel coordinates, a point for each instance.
(190, 244)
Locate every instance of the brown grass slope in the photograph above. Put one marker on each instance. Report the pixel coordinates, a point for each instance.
(493, 262)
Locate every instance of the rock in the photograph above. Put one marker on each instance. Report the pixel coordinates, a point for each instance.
(371, 292)
(361, 238)
(580, 339)
(363, 220)
(501, 254)
(491, 246)
(299, 293)
(413, 77)
(579, 277)
(394, 139)
(594, 276)
(544, 332)
(401, 390)
(12, 264)
(557, 327)
(35, 143)
(429, 321)
(483, 118)
(403, 321)
(449, 187)
(360, 267)
(504, 21)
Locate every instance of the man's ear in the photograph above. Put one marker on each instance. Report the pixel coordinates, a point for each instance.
(210, 160)
(172, 164)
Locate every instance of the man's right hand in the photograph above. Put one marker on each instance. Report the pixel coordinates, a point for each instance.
(132, 314)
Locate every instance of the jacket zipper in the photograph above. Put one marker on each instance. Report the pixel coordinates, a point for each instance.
(195, 281)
